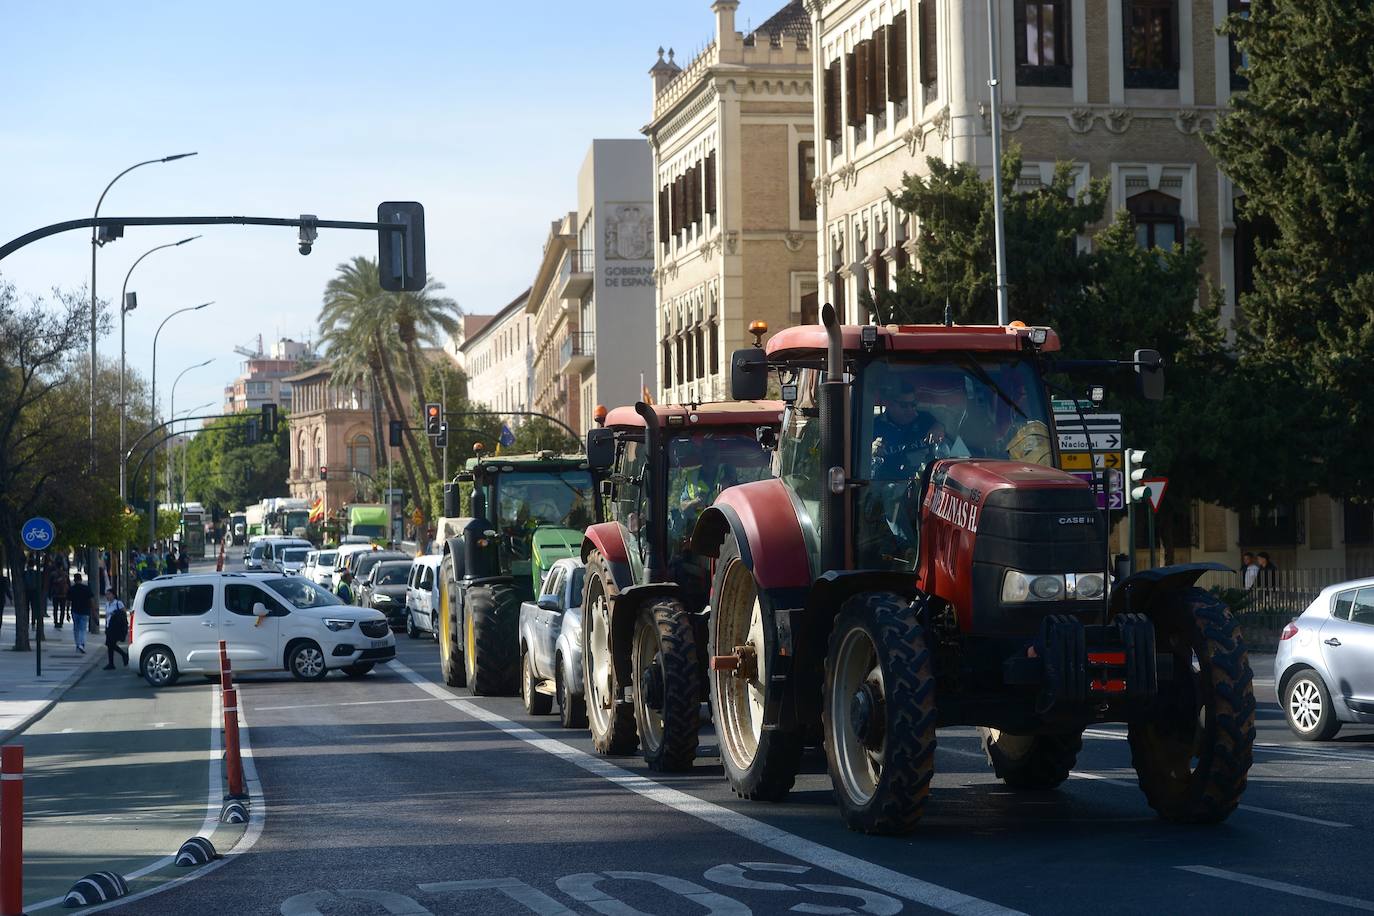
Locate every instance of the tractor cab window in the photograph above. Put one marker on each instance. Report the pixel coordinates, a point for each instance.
(526, 500)
(913, 413)
(627, 509)
(799, 447)
(701, 464)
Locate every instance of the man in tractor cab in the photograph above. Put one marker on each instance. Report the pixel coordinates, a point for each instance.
(704, 482)
(903, 434)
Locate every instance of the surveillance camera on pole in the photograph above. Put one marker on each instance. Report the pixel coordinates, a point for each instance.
(308, 232)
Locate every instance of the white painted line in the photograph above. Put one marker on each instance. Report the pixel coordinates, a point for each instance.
(1261, 746)
(1130, 784)
(1280, 886)
(893, 882)
(362, 703)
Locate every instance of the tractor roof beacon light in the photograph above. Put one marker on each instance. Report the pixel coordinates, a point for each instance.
(758, 329)
(599, 415)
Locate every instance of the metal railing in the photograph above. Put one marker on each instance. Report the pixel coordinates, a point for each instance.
(577, 343)
(1277, 596)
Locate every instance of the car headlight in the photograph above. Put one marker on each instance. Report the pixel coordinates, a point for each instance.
(386, 598)
(335, 624)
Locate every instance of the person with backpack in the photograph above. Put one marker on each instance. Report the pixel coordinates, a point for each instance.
(116, 629)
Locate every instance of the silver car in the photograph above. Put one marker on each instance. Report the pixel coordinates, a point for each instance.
(1324, 669)
(551, 645)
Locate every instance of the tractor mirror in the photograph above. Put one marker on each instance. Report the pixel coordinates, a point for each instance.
(749, 374)
(1149, 374)
(451, 500)
(600, 448)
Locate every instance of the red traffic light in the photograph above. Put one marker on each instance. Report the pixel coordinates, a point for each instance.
(434, 417)
(324, 472)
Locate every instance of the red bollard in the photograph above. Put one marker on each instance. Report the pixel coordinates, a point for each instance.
(233, 762)
(12, 830)
(223, 655)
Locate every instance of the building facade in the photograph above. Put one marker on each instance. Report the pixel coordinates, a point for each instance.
(332, 427)
(733, 144)
(263, 376)
(496, 357)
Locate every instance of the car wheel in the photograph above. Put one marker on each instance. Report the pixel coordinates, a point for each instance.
(159, 666)
(306, 662)
(1307, 706)
(536, 703)
(411, 630)
(572, 708)
(359, 669)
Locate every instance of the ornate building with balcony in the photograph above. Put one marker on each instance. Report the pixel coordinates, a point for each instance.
(333, 427)
(733, 146)
(497, 358)
(595, 284)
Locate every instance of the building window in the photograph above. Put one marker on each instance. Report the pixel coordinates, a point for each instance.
(360, 454)
(1158, 220)
(1043, 43)
(806, 179)
(1273, 526)
(833, 126)
(701, 351)
(714, 333)
(930, 64)
(681, 362)
(1240, 61)
(710, 183)
(896, 65)
(1150, 36)
(854, 115)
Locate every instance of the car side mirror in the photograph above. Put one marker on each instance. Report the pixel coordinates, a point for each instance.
(1149, 372)
(600, 448)
(748, 374)
(259, 609)
(550, 603)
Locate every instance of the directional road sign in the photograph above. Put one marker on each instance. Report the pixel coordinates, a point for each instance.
(1098, 432)
(1100, 442)
(38, 533)
(1114, 498)
(1083, 461)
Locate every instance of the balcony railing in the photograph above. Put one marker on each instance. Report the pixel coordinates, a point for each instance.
(578, 351)
(576, 274)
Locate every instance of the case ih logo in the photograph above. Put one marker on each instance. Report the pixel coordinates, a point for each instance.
(957, 511)
(1075, 520)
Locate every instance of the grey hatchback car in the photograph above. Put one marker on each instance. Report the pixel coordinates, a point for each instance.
(1324, 668)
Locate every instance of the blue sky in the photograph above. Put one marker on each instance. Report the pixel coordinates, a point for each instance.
(482, 112)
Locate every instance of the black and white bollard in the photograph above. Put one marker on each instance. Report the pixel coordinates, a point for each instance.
(96, 888)
(233, 812)
(195, 851)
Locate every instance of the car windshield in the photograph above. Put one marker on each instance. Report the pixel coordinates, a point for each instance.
(391, 574)
(302, 593)
(294, 555)
(913, 412)
(326, 557)
(256, 551)
(701, 464)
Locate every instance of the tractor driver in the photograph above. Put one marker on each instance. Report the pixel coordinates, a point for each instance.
(902, 435)
(702, 486)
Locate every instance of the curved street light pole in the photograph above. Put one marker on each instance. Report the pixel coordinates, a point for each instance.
(185, 446)
(152, 478)
(172, 412)
(94, 557)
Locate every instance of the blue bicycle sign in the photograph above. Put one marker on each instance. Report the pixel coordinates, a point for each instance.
(38, 533)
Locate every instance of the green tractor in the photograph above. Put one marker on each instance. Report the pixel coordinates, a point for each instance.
(527, 511)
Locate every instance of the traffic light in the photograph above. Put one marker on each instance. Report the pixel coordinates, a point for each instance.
(324, 472)
(434, 418)
(269, 421)
(1136, 491)
(441, 440)
(250, 431)
(401, 255)
(397, 427)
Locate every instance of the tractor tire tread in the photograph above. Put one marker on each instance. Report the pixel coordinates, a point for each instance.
(622, 737)
(681, 688)
(495, 613)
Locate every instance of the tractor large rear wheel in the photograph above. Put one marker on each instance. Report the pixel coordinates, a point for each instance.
(1031, 761)
(667, 685)
(450, 652)
(878, 714)
(611, 719)
(491, 640)
(1192, 752)
(759, 763)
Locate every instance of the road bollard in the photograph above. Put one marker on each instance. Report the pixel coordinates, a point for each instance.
(233, 762)
(12, 830)
(223, 655)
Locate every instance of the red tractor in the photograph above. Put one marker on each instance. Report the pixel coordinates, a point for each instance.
(920, 561)
(644, 601)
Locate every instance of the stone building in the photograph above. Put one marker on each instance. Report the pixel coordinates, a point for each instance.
(263, 376)
(497, 359)
(734, 161)
(332, 427)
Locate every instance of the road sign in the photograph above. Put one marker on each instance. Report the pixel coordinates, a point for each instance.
(38, 533)
(1068, 407)
(1088, 432)
(1100, 442)
(1114, 498)
(1083, 461)
(1156, 486)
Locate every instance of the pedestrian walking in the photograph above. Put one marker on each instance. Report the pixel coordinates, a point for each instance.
(169, 564)
(183, 561)
(1268, 570)
(116, 630)
(33, 576)
(59, 587)
(1249, 569)
(83, 601)
(4, 597)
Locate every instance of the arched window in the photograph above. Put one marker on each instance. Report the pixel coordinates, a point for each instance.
(360, 454)
(1158, 219)
(319, 450)
(302, 469)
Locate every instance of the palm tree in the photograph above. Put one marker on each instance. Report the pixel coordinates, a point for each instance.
(424, 317)
(356, 325)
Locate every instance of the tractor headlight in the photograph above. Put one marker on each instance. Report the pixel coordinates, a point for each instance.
(1019, 587)
(1088, 586)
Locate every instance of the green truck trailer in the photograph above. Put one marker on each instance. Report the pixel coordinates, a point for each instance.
(370, 521)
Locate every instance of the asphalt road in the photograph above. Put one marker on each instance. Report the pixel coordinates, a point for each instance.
(393, 794)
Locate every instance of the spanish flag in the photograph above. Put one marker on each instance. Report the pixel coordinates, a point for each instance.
(317, 511)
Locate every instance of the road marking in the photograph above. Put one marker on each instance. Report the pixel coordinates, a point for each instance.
(359, 703)
(885, 879)
(1280, 886)
(1263, 746)
(1128, 784)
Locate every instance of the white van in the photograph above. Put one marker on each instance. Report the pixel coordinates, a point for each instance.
(268, 620)
(422, 597)
(319, 567)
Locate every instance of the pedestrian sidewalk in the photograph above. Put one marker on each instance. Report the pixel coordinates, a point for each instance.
(23, 696)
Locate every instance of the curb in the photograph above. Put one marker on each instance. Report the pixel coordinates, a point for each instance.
(57, 693)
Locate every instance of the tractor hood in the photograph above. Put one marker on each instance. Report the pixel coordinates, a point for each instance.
(551, 544)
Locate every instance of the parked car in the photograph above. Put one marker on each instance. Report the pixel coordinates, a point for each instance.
(422, 596)
(385, 589)
(1324, 667)
(344, 554)
(268, 552)
(362, 565)
(319, 567)
(291, 559)
(551, 645)
(269, 621)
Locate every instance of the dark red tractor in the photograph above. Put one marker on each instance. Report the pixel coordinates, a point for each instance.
(920, 561)
(643, 623)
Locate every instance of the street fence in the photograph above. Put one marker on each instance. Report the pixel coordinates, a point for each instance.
(1277, 597)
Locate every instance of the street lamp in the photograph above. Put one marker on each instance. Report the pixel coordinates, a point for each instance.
(152, 477)
(181, 490)
(171, 412)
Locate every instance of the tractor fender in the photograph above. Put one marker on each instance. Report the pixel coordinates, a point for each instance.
(835, 587)
(764, 522)
(624, 609)
(1135, 594)
(607, 539)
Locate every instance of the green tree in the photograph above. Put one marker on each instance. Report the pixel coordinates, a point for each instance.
(537, 434)
(227, 473)
(1299, 145)
(423, 317)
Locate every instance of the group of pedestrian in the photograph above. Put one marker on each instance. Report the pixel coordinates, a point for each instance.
(1258, 570)
(148, 564)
